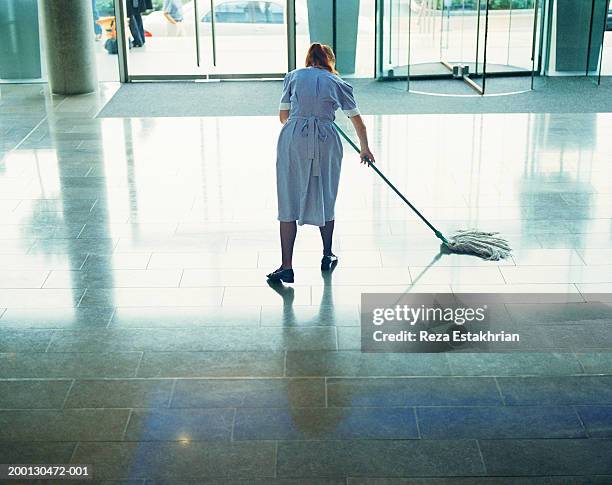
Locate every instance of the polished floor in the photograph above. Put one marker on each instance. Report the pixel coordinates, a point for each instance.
(138, 333)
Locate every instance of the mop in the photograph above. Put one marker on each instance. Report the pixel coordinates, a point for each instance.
(486, 245)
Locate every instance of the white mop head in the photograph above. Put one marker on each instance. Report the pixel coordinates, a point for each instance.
(486, 245)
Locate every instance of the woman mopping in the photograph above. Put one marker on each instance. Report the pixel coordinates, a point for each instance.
(309, 153)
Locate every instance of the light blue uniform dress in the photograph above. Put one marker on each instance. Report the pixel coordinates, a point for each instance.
(309, 151)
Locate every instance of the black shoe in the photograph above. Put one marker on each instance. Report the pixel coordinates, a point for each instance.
(329, 262)
(284, 275)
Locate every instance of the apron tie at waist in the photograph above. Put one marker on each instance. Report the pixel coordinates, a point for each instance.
(311, 130)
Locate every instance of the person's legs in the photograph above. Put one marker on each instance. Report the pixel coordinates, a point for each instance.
(141, 28)
(327, 234)
(288, 231)
(136, 29)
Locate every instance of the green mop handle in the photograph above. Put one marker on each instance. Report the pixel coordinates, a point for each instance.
(371, 164)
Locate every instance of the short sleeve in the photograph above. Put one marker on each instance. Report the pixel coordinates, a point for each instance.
(347, 100)
(285, 101)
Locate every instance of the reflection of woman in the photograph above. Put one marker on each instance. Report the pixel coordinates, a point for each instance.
(309, 152)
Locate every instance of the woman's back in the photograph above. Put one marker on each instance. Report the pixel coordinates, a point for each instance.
(311, 91)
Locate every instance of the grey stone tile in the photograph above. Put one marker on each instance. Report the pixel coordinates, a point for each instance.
(120, 393)
(593, 362)
(601, 333)
(194, 339)
(113, 278)
(325, 424)
(252, 481)
(568, 480)
(68, 365)
(212, 364)
(33, 394)
(108, 482)
(485, 422)
(556, 390)
(175, 461)
(64, 318)
(74, 246)
(310, 315)
(154, 297)
(559, 312)
(180, 425)
(373, 458)
(44, 298)
(548, 363)
(597, 420)
(547, 457)
(17, 340)
(186, 317)
(63, 425)
(418, 391)
(36, 452)
(104, 262)
(251, 393)
(352, 363)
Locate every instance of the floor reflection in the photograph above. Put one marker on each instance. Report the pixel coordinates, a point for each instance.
(138, 331)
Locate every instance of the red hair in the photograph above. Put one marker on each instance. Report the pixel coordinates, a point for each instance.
(321, 55)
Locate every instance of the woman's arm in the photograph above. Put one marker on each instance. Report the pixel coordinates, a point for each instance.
(362, 134)
(283, 115)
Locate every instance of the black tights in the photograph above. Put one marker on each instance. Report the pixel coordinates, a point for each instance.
(288, 231)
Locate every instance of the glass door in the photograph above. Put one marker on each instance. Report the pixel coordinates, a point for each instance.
(207, 38)
(463, 39)
(243, 36)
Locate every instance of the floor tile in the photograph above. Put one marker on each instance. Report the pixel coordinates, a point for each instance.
(597, 420)
(85, 317)
(376, 458)
(558, 274)
(545, 257)
(195, 340)
(548, 364)
(559, 313)
(63, 425)
(325, 423)
(69, 365)
(212, 364)
(117, 278)
(37, 452)
(547, 457)
(153, 297)
(248, 393)
(234, 259)
(33, 394)
(18, 340)
(499, 422)
(174, 461)
(435, 391)
(309, 315)
(351, 363)
(556, 390)
(180, 425)
(119, 393)
(185, 317)
(264, 295)
(596, 362)
(44, 298)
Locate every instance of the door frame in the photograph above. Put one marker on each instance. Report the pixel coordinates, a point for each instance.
(126, 77)
(537, 57)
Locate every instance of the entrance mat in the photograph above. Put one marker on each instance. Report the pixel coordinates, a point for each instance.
(260, 98)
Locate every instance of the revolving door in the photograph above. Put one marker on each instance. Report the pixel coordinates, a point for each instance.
(471, 41)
